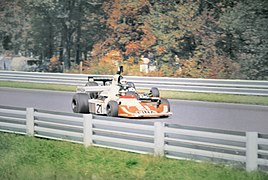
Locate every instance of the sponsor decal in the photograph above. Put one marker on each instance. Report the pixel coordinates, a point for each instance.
(145, 112)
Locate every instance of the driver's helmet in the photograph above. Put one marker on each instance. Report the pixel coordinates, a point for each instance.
(123, 86)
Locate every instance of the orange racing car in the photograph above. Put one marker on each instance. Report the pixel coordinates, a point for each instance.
(117, 97)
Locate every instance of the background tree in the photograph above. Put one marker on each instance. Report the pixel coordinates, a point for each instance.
(188, 31)
(47, 28)
(14, 30)
(163, 30)
(247, 26)
(128, 32)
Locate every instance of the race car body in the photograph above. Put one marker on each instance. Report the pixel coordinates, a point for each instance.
(131, 107)
(115, 98)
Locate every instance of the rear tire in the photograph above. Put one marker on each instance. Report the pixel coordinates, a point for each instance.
(154, 92)
(80, 103)
(131, 85)
(112, 109)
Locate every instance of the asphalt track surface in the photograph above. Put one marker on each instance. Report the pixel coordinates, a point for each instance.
(225, 116)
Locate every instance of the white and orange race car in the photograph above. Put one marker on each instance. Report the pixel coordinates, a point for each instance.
(116, 97)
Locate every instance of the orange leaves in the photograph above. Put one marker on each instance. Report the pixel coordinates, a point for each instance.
(130, 33)
(139, 27)
(116, 9)
(160, 49)
(132, 7)
(54, 60)
(220, 67)
(132, 47)
(148, 39)
(131, 69)
(113, 9)
(101, 67)
(122, 28)
(191, 69)
(144, 2)
(113, 56)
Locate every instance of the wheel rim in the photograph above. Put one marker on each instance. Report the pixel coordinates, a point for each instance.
(109, 110)
(74, 105)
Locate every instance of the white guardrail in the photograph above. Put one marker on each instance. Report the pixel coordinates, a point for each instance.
(243, 87)
(248, 149)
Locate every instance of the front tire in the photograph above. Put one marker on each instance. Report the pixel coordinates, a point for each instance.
(112, 109)
(80, 103)
(166, 102)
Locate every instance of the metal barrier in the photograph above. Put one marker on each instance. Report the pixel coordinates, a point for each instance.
(243, 87)
(249, 149)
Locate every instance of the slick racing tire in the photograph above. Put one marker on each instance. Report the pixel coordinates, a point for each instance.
(80, 103)
(131, 85)
(112, 109)
(154, 92)
(166, 102)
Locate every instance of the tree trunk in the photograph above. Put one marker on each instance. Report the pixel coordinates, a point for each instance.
(78, 42)
(51, 41)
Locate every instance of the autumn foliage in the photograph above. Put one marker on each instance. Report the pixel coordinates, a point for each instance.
(168, 30)
(193, 38)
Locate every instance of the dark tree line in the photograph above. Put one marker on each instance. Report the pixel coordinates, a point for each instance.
(47, 28)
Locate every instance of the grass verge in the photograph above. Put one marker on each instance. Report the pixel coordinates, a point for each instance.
(45, 86)
(23, 157)
(228, 98)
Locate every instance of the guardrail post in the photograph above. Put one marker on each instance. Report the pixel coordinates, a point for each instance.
(252, 151)
(159, 140)
(88, 131)
(30, 121)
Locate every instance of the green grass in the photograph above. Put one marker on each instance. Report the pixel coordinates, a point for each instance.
(23, 157)
(229, 98)
(44, 86)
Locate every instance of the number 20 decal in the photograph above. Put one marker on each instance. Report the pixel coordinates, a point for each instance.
(98, 108)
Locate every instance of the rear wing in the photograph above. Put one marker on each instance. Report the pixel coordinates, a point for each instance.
(101, 79)
(86, 89)
(107, 78)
